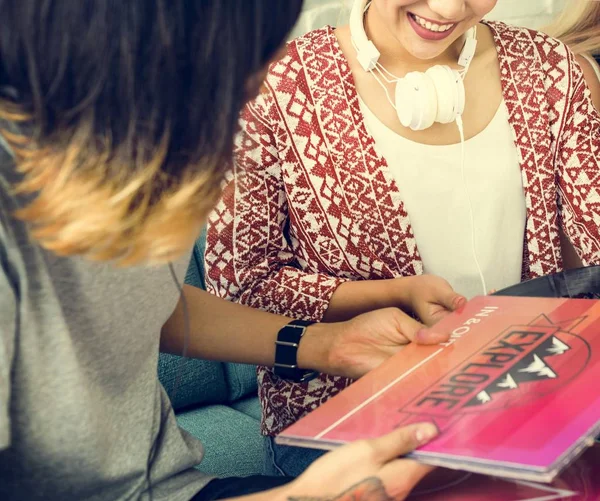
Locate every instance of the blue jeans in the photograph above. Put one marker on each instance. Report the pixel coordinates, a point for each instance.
(285, 461)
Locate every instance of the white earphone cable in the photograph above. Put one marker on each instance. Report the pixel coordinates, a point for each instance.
(461, 130)
(379, 69)
(385, 89)
(391, 78)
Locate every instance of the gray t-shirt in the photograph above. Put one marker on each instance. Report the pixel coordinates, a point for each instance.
(80, 402)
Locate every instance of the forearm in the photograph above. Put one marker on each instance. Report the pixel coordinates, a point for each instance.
(229, 332)
(351, 299)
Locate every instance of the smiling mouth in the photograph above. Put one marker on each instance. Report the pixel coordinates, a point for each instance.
(431, 26)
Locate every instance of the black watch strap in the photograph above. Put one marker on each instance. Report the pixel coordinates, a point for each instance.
(286, 352)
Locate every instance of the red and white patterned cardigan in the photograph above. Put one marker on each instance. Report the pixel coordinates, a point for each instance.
(310, 203)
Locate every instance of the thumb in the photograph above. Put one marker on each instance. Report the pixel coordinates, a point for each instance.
(428, 336)
(450, 299)
(415, 332)
(408, 327)
(402, 441)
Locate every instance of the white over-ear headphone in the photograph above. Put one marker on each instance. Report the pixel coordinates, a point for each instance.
(421, 99)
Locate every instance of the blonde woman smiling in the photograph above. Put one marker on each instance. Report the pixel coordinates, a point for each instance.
(351, 177)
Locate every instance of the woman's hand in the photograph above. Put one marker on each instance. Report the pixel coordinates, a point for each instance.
(430, 297)
(370, 470)
(427, 296)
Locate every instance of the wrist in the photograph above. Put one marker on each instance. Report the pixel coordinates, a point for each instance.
(314, 352)
(283, 493)
(388, 293)
(402, 289)
(393, 293)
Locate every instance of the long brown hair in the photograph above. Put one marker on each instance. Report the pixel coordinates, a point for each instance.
(126, 114)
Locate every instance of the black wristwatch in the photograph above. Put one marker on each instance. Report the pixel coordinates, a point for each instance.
(286, 353)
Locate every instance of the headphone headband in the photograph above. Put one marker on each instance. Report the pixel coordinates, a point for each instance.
(366, 52)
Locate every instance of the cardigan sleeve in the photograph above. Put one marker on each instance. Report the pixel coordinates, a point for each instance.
(578, 171)
(248, 257)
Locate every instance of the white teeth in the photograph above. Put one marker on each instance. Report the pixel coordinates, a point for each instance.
(436, 28)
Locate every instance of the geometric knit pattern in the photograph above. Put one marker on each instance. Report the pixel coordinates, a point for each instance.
(310, 203)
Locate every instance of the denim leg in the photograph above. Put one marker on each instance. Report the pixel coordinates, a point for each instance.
(283, 460)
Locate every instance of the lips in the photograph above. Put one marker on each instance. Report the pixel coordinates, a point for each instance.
(429, 29)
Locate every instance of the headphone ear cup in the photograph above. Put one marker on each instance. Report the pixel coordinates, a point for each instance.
(416, 101)
(450, 93)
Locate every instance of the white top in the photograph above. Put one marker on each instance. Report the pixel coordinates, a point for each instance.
(431, 187)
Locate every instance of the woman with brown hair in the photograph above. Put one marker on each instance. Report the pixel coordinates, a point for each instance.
(116, 124)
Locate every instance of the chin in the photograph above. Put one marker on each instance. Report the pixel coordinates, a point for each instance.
(428, 50)
(426, 53)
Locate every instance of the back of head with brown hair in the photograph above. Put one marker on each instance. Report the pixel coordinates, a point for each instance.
(128, 111)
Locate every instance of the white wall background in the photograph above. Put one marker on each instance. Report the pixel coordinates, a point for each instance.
(530, 13)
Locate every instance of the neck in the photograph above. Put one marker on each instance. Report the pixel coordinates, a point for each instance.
(395, 58)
